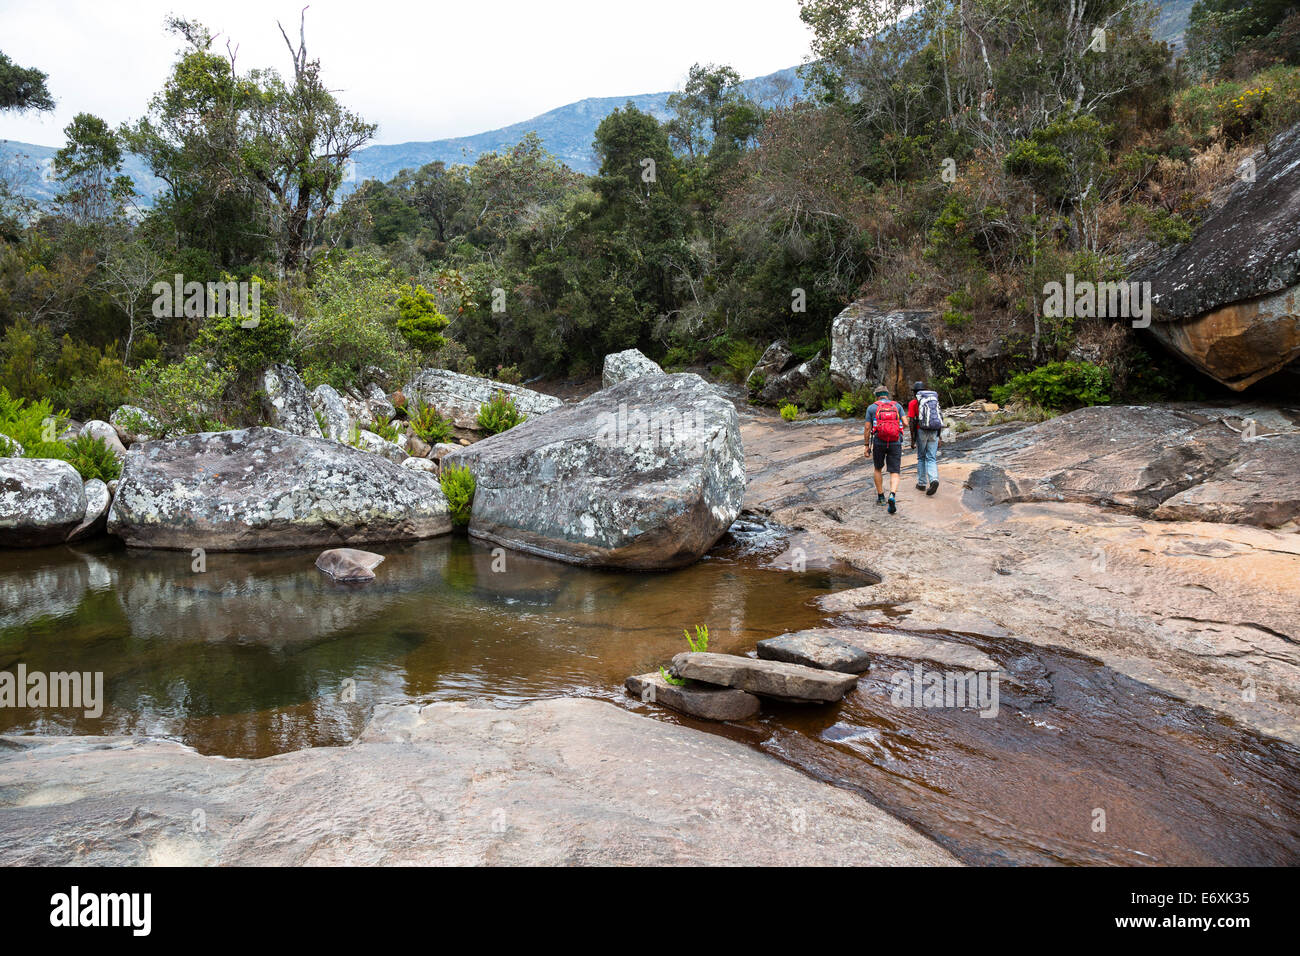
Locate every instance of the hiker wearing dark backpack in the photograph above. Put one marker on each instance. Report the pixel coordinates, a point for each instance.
(882, 439)
(926, 418)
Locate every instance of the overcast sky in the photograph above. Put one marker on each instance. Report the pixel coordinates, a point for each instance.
(422, 69)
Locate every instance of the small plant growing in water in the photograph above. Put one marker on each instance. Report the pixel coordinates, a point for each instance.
(698, 644)
(498, 414)
(458, 486)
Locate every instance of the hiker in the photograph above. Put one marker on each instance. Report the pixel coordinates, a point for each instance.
(884, 429)
(926, 420)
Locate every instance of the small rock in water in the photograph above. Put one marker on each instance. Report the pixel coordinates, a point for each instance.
(349, 564)
(708, 703)
(765, 678)
(815, 650)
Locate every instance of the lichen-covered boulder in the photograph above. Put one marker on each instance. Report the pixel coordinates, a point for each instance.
(1228, 301)
(328, 404)
(378, 445)
(41, 501)
(646, 474)
(286, 402)
(260, 488)
(894, 348)
(459, 397)
(134, 424)
(630, 363)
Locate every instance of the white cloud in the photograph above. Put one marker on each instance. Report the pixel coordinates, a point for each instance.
(422, 70)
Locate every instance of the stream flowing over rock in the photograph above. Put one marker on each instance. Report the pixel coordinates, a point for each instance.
(42, 500)
(1228, 301)
(287, 404)
(646, 474)
(260, 488)
(1153, 461)
(630, 363)
(459, 397)
(572, 782)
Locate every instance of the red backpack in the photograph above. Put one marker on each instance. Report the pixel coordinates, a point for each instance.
(889, 427)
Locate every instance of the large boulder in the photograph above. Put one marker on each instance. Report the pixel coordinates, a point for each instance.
(459, 397)
(260, 488)
(286, 402)
(894, 348)
(630, 363)
(1228, 301)
(42, 500)
(1160, 462)
(647, 474)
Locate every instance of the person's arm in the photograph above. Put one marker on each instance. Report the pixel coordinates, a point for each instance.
(868, 428)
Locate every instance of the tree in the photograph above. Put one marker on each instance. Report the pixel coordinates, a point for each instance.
(89, 169)
(128, 271)
(23, 89)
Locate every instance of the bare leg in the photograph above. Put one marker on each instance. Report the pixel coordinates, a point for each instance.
(893, 482)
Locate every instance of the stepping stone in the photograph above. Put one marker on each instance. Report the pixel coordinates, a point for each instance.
(815, 648)
(767, 678)
(708, 703)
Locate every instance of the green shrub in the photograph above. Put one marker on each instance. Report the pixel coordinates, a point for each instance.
(819, 393)
(1058, 386)
(418, 319)
(699, 644)
(430, 425)
(35, 426)
(458, 487)
(93, 459)
(789, 412)
(185, 397)
(498, 414)
(741, 358)
(385, 429)
(854, 404)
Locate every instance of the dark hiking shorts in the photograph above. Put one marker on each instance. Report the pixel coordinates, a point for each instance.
(890, 453)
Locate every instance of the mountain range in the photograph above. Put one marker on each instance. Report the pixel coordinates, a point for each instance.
(567, 131)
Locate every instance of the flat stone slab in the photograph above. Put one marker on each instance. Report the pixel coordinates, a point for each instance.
(695, 700)
(562, 782)
(815, 648)
(913, 647)
(766, 678)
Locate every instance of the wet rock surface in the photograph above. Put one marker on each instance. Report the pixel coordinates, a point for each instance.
(558, 782)
(767, 678)
(695, 700)
(262, 488)
(816, 648)
(646, 474)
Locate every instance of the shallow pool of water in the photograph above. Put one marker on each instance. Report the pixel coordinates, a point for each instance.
(257, 654)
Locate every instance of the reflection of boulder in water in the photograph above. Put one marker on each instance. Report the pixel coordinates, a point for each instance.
(496, 575)
(30, 590)
(269, 597)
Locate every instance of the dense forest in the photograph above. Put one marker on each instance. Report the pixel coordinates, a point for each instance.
(953, 154)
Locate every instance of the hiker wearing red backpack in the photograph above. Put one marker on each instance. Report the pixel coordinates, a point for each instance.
(882, 438)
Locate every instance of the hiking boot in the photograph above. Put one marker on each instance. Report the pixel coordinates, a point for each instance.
(880, 498)
(893, 505)
(934, 486)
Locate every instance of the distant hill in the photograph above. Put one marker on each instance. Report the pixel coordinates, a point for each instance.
(29, 166)
(568, 131)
